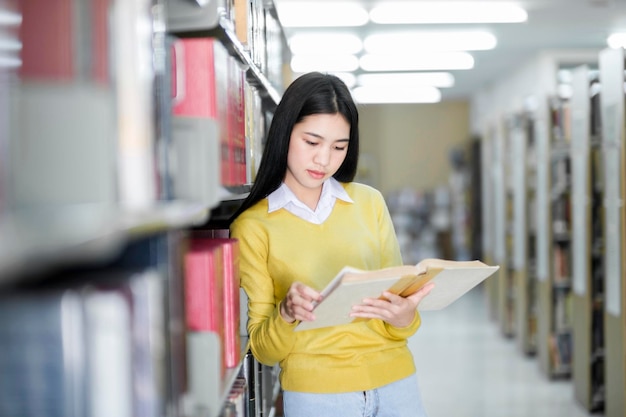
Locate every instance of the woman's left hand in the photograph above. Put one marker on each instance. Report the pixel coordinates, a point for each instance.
(393, 309)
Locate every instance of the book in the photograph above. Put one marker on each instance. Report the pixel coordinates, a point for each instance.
(204, 283)
(232, 337)
(350, 286)
(43, 366)
(199, 78)
(229, 326)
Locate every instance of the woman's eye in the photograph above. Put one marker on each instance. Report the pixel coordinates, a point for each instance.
(340, 148)
(308, 142)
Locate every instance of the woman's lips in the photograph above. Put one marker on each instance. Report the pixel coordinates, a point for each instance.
(316, 174)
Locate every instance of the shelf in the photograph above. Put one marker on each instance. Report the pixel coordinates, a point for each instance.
(208, 390)
(225, 33)
(34, 240)
(188, 21)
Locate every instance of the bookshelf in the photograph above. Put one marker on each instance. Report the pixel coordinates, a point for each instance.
(500, 289)
(524, 230)
(611, 66)
(488, 198)
(554, 290)
(101, 196)
(509, 294)
(587, 242)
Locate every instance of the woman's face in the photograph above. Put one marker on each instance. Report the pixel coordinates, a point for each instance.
(317, 148)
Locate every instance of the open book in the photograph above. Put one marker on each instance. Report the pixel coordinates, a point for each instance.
(452, 279)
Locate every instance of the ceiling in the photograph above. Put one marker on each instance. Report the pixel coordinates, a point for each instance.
(552, 24)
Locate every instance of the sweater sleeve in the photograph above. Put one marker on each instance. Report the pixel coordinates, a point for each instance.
(271, 337)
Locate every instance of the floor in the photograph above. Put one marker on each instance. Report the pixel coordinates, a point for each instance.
(466, 368)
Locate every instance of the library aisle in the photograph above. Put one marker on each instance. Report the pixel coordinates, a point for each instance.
(467, 368)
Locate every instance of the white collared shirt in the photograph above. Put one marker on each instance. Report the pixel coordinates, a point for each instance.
(283, 197)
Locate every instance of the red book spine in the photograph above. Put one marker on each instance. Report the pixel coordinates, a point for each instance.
(232, 338)
(239, 146)
(204, 271)
(222, 64)
(194, 78)
(100, 42)
(47, 32)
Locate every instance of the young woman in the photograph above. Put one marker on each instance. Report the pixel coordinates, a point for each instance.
(302, 222)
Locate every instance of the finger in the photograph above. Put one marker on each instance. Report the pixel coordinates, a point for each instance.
(307, 293)
(423, 292)
(301, 311)
(393, 298)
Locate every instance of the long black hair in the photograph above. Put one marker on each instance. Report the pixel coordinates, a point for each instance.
(311, 93)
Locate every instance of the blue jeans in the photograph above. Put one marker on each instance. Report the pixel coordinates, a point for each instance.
(398, 399)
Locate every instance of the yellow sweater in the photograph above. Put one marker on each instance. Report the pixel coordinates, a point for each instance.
(279, 248)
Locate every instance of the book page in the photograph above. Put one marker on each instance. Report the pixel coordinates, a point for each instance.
(451, 284)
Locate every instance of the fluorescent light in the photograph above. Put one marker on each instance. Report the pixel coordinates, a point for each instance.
(382, 43)
(406, 79)
(347, 77)
(321, 43)
(617, 40)
(430, 61)
(324, 63)
(321, 14)
(448, 12)
(422, 94)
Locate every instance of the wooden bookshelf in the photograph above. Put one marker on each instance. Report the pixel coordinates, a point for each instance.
(612, 66)
(587, 242)
(554, 290)
(488, 196)
(524, 231)
(502, 289)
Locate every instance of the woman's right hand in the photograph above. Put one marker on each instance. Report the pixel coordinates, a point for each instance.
(299, 303)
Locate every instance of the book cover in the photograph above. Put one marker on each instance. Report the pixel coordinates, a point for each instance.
(200, 90)
(48, 33)
(350, 286)
(108, 328)
(204, 272)
(232, 338)
(43, 365)
(194, 78)
(237, 134)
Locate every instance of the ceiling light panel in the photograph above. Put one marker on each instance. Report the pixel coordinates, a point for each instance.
(448, 12)
(428, 61)
(347, 77)
(372, 95)
(320, 43)
(324, 63)
(396, 42)
(435, 79)
(617, 40)
(321, 14)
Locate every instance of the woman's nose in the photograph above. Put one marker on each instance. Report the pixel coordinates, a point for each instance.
(322, 156)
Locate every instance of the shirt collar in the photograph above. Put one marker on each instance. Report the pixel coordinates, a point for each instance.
(283, 195)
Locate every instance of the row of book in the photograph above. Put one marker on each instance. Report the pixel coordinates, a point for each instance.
(257, 27)
(100, 111)
(209, 119)
(112, 341)
(95, 349)
(212, 302)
